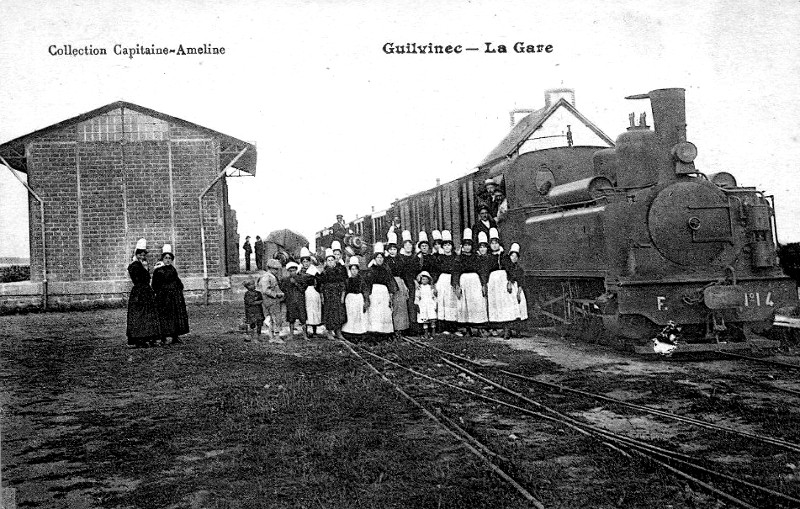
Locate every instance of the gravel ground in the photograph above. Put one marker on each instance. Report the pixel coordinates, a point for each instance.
(221, 422)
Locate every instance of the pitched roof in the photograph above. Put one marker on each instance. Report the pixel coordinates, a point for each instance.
(530, 123)
(14, 151)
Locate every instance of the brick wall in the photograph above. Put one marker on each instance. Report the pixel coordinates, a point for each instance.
(100, 197)
(57, 186)
(105, 245)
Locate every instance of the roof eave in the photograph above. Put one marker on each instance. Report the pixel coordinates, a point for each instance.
(14, 150)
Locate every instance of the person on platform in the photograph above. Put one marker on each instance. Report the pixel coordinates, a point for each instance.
(446, 300)
(253, 312)
(259, 248)
(356, 302)
(516, 276)
(381, 289)
(293, 287)
(502, 301)
(396, 266)
(143, 328)
(170, 303)
(248, 249)
(270, 290)
(332, 285)
(470, 286)
(340, 230)
(484, 222)
(309, 273)
(425, 302)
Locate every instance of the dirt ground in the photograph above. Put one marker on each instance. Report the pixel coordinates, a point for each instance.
(220, 422)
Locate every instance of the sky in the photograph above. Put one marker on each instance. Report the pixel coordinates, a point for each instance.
(340, 126)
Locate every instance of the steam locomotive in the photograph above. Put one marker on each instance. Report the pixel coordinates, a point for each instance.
(627, 241)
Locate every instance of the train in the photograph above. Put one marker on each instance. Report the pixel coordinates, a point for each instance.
(625, 242)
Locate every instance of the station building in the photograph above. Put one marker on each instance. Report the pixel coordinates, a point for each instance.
(116, 174)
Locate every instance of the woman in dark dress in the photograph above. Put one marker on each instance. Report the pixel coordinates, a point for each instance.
(332, 287)
(143, 328)
(170, 304)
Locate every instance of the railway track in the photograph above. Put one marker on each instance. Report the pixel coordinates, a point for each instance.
(740, 492)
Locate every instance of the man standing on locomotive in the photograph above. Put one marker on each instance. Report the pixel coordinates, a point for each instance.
(484, 223)
(502, 206)
(339, 231)
(491, 187)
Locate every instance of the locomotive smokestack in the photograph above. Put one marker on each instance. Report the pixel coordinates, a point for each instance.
(669, 115)
(669, 121)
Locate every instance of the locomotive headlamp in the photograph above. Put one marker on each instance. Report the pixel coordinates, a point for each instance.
(685, 151)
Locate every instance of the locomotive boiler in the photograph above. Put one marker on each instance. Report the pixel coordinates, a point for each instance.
(624, 241)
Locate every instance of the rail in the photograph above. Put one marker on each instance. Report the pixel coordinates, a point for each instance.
(639, 448)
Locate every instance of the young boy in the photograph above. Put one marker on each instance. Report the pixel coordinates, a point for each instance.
(272, 294)
(294, 290)
(253, 314)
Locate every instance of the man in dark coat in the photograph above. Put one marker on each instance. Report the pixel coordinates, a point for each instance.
(339, 230)
(259, 253)
(489, 198)
(483, 224)
(247, 250)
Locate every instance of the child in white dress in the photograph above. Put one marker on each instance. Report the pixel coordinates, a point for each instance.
(425, 301)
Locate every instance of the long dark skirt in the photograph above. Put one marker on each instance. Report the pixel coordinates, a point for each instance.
(143, 322)
(172, 314)
(170, 304)
(334, 314)
(295, 305)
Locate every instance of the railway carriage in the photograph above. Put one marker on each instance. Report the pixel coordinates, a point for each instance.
(624, 240)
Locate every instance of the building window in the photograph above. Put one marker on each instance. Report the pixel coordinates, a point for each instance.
(116, 124)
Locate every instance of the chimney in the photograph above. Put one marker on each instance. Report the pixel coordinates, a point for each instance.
(438, 182)
(373, 208)
(552, 95)
(669, 115)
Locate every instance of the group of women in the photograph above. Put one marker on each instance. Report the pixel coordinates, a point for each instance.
(477, 288)
(155, 311)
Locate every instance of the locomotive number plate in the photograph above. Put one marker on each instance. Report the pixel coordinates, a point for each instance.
(758, 299)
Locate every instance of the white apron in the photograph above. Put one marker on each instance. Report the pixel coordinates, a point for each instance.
(356, 318)
(503, 306)
(379, 315)
(446, 300)
(472, 304)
